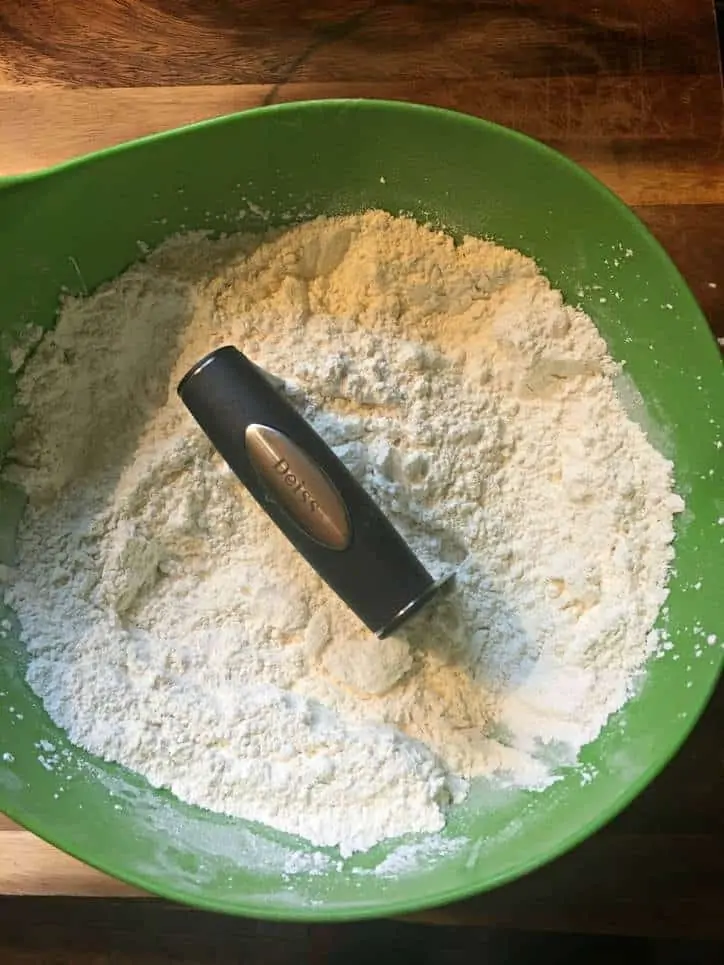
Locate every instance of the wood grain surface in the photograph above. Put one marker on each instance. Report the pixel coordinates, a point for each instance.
(629, 88)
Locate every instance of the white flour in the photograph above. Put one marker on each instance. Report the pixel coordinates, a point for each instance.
(170, 626)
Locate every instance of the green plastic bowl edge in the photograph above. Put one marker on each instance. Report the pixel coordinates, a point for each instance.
(568, 843)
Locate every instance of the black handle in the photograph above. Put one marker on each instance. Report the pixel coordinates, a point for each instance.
(306, 490)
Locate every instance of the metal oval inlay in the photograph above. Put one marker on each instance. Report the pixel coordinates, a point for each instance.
(299, 486)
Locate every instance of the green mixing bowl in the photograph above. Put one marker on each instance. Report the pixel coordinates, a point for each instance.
(79, 224)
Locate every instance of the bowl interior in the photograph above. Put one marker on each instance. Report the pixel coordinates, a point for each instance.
(81, 224)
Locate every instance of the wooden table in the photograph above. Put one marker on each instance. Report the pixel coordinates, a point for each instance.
(629, 88)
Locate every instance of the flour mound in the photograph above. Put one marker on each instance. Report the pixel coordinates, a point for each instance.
(169, 625)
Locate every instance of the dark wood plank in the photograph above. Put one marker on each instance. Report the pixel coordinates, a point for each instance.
(68, 932)
(156, 42)
(693, 235)
(81, 932)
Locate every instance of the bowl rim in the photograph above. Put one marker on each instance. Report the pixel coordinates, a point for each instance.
(377, 907)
